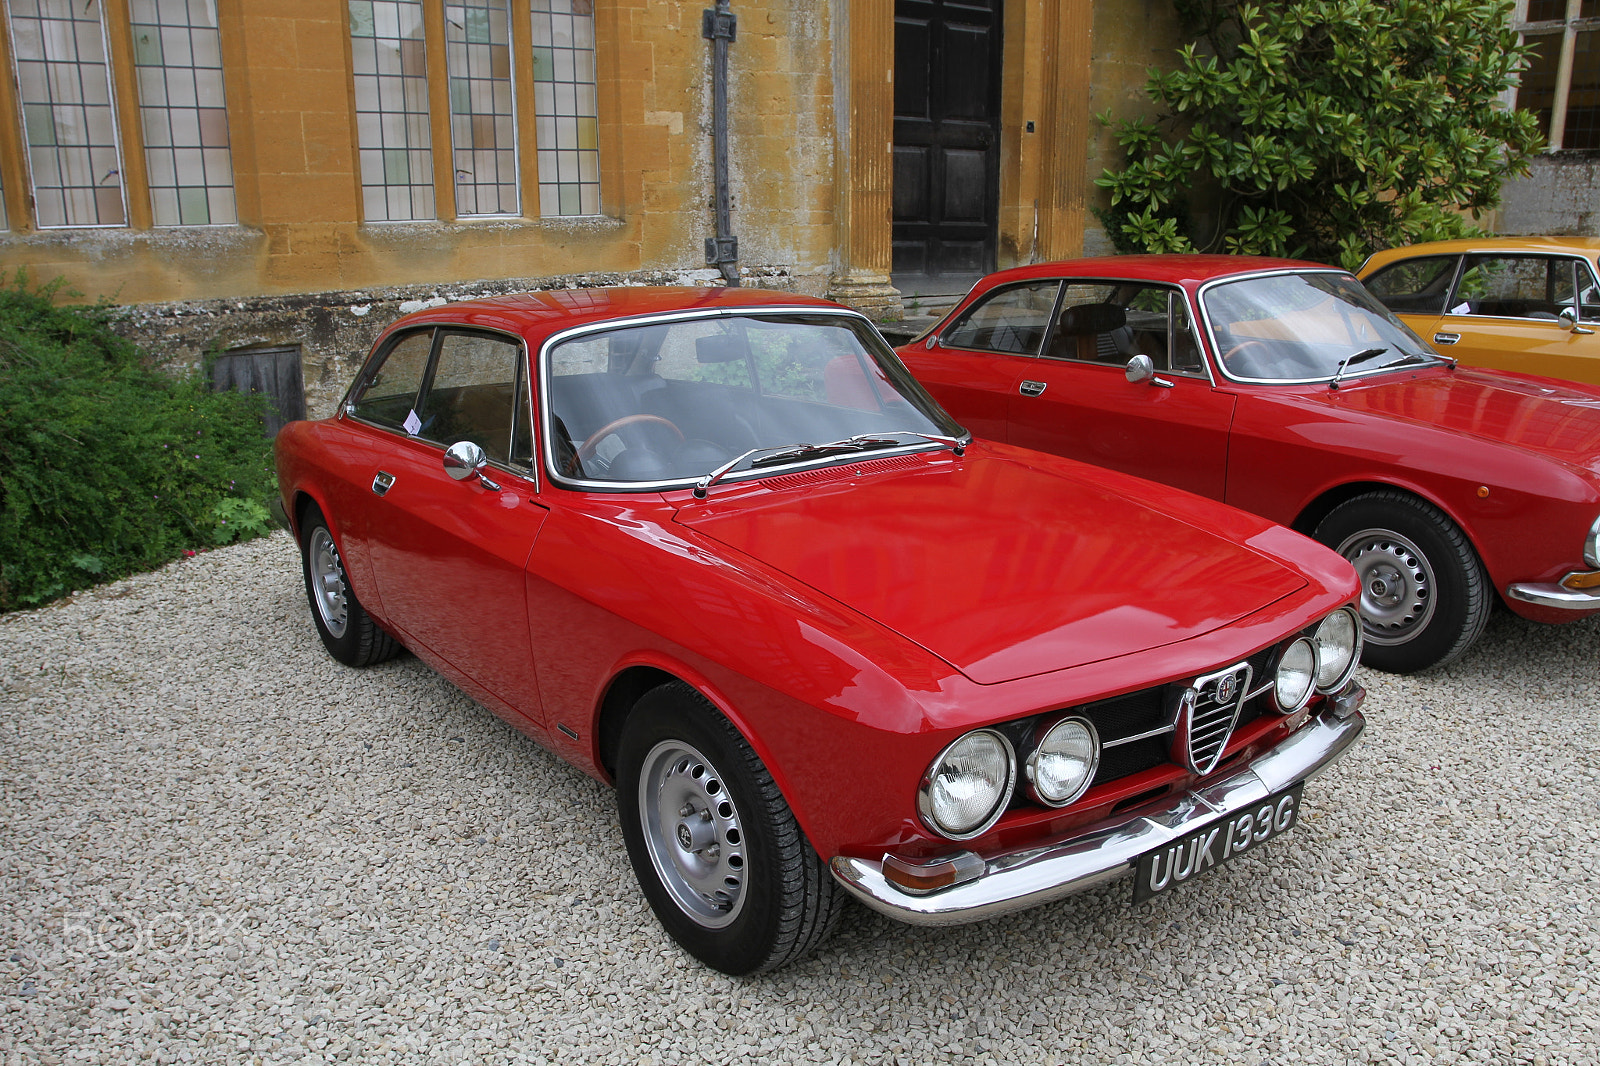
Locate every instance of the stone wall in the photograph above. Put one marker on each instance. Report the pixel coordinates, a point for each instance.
(335, 330)
(1560, 198)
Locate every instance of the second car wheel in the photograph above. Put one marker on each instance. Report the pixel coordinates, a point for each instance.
(717, 851)
(1424, 596)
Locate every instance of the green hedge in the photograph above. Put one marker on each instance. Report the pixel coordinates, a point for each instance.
(107, 466)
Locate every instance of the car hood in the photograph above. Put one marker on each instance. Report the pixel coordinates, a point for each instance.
(1001, 567)
(1543, 415)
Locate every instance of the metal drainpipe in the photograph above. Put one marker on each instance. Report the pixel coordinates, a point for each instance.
(722, 251)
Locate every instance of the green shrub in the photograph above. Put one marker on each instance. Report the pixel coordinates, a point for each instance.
(1324, 129)
(107, 466)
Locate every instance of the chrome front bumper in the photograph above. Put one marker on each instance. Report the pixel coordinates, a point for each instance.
(1556, 595)
(1023, 879)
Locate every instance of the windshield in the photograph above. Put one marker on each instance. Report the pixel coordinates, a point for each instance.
(1305, 327)
(675, 401)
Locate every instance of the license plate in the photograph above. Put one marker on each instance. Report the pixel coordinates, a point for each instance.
(1217, 843)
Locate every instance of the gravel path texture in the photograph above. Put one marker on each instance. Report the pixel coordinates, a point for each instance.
(218, 846)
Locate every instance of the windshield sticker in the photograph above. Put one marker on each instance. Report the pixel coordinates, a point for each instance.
(412, 423)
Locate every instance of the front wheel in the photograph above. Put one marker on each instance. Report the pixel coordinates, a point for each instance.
(717, 851)
(347, 631)
(1424, 596)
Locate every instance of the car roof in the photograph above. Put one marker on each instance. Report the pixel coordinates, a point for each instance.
(1584, 246)
(536, 315)
(1173, 269)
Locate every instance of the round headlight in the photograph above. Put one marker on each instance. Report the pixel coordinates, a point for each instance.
(1061, 767)
(968, 785)
(1338, 642)
(1297, 672)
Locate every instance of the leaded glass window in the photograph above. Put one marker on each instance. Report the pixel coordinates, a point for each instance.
(177, 53)
(565, 105)
(389, 50)
(482, 119)
(69, 124)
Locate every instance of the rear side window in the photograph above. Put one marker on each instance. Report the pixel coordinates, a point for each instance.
(390, 393)
(1012, 320)
(1414, 286)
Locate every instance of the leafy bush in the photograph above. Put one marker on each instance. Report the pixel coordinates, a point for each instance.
(1324, 129)
(107, 466)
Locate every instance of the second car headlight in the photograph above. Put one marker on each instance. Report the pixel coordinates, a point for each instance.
(1591, 545)
(1064, 761)
(1338, 641)
(1296, 676)
(966, 788)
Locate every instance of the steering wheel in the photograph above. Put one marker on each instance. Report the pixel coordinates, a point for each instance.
(586, 450)
(1228, 356)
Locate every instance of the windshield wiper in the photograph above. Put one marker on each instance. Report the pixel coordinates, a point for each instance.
(859, 443)
(785, 453)
(1351, 360)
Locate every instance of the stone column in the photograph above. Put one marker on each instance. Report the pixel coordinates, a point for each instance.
(863, 79)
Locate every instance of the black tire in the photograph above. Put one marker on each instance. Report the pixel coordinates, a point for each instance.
(715, 847)
(347, 631)
(1424, 596)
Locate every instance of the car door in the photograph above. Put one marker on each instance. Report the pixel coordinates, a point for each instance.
(1077, 399)
(1505, 313)
(449, 557)
(973, 366)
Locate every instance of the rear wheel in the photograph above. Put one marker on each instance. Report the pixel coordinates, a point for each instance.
(347, 631)
(1424, 596)
(717, 851)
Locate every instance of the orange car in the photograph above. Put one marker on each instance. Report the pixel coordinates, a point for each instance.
(1530, 304)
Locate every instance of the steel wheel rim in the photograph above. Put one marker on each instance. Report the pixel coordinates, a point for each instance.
(328, 590)
(693, 833)
(1397, 585)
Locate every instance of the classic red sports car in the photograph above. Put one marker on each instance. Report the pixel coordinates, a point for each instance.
(717, 547)
(1284, 388)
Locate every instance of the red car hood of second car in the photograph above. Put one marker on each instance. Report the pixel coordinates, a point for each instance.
(1000, 569)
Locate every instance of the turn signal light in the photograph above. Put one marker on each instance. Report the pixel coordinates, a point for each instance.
(925, 878)
(1582, 580)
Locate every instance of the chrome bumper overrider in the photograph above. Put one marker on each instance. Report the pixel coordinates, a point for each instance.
(1023, 879)
(1555, 595)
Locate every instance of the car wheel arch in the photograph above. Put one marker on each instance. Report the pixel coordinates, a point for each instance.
(1312, 514)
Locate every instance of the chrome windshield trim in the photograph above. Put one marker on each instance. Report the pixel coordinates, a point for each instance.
(546, 413)
(1320, 379)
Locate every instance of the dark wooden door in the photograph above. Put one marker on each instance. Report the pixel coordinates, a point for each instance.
(946, 142)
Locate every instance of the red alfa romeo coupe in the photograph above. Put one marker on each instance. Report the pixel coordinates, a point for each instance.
(717, 548)
(1286, 389)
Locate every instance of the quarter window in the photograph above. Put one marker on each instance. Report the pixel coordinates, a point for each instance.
(1415, 286)
(1012, 320)
(389, 396)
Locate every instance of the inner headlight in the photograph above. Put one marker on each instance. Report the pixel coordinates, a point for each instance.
(967, 786)
(1591, 546)
(1297, 673)
(1338, 640)
(1063, 764)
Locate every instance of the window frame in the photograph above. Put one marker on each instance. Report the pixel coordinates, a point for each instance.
(1568, 28)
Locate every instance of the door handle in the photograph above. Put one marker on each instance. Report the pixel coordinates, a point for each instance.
(1031, 388)
(1446, 338)
(382, 481)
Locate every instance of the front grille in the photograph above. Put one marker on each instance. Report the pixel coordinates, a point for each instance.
(1208, 713)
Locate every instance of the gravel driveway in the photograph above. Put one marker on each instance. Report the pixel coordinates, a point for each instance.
(217, 845)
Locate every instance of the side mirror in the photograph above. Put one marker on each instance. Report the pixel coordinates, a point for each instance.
(1140, 368)
(464, 459)
(1568, 319)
